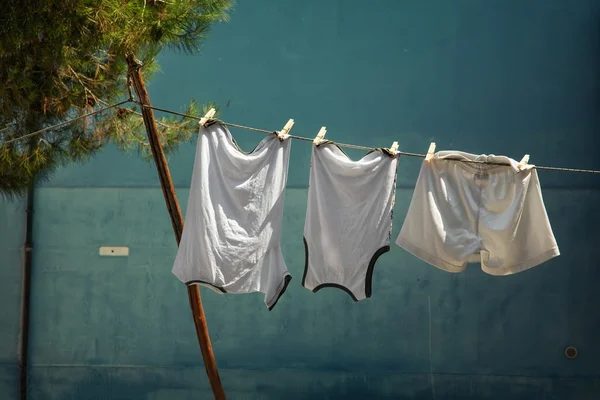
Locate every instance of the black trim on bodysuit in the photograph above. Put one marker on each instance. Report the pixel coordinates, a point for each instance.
(337, 286)
(305, 260)
(286, 282)
(199, 282)
(368, 279)
(383, 150)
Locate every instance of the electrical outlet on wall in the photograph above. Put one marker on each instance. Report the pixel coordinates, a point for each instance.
(115, 251)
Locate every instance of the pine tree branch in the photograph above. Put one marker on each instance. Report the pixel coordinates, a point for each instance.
(58, 59)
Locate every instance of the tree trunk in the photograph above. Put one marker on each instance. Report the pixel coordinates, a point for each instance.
(177, 221)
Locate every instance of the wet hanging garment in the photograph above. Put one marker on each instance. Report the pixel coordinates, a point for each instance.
(348, 218)
(463, 212)
(231, 236)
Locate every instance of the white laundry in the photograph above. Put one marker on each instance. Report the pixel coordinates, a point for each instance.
(231, 236)
(462, 212)
(348, 218)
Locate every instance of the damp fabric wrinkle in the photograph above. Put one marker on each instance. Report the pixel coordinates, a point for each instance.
(348, 218)
(463, 212)
(232, 232)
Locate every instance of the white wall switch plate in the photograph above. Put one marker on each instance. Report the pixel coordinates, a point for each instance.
(119, 251)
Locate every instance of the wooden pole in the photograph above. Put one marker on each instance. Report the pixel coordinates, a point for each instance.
(177, 221)
(26, 287)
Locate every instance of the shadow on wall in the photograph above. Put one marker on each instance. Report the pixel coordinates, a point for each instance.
(46, 383)
(88, 383)
(115, 384)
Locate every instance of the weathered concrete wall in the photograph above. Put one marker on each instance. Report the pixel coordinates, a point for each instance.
(508, 77)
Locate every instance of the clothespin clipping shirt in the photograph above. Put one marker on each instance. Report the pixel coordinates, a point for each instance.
(524, 161)
(430, 152)
(208, 116)
(394, 148)
(285, 132)
(317, 141)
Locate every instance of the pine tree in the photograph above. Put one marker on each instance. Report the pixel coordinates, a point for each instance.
(65, 58)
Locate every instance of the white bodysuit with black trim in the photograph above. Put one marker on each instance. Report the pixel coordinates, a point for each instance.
(231, 237)
(348, 218)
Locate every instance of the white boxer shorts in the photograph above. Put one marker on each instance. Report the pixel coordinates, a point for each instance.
(462, 212)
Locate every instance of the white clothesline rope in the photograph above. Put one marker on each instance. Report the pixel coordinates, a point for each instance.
(358, 147)
(348, 145)
(49, 128)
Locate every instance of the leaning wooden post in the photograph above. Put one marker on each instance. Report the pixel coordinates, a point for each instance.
(176, 220)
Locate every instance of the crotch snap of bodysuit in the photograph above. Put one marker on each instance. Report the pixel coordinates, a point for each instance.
(232, 232)
(348, 218)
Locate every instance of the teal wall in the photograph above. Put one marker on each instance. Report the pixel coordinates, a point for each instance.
(503, 77)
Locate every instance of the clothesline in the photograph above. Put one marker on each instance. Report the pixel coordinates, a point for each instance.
(348, 145)
(343, 235)
(352, 146)
(49, 128)
(358, 147)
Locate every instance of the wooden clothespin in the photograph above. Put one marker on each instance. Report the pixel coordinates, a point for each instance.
(524, 161)
(317, 141)
(430, 152)
(394, 148)
(285, 132)
(208, 116)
